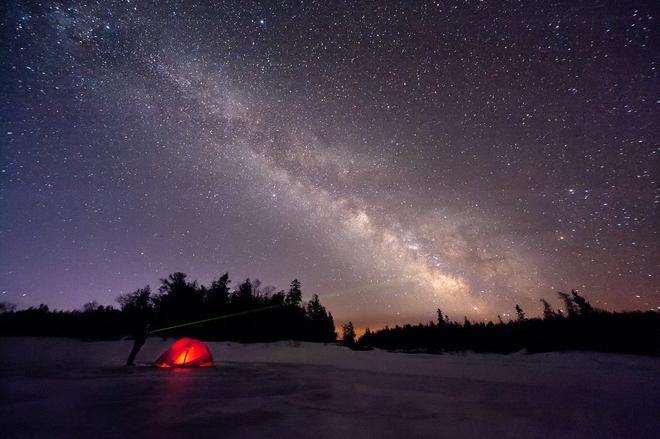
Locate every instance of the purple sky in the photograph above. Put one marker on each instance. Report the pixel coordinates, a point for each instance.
(395, 157)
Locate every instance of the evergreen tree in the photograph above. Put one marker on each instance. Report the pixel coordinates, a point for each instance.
(244, 295)
(348, 336)
(321, 327)
(278, 298)
(520, 313)
(330, 334)
(549, 312)
(217, 296)
(571, 309)
(315, 311)
(441, 318)
(584, 307)
(294, 296)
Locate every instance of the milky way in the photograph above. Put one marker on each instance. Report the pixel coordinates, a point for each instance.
(396, 157)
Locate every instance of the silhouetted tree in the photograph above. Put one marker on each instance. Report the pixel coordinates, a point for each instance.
(441, 318)
(348, 334)
(266, 293)
(321, 326)
(178, 300)
(315, 310)
(243, 295)
(330, 328)
(571, 309)
(175, 283)
(520, 313)
(217, 296)
(584, 307)
(549, 312)
(278, 298)
(294, 296)
(137, 302)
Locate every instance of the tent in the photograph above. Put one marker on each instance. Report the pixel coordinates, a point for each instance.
(186, 352)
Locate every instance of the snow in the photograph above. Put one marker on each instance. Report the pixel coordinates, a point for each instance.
(61, 388)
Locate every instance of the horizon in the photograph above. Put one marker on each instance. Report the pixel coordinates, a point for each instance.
(362, 325)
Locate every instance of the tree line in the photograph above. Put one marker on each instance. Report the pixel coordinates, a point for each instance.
(578, 325)
(264, 314)
(269, 315)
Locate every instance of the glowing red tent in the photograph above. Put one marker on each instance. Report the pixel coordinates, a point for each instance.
(186, 352)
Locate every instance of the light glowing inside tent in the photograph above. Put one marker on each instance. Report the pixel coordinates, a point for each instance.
(186, 352)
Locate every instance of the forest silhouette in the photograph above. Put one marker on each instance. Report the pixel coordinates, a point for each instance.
(263, 314)
(577, 325)
(250, 312)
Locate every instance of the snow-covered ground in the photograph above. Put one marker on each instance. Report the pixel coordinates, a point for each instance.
(55, 388)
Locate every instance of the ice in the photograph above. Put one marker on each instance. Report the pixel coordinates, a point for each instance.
(60, 388)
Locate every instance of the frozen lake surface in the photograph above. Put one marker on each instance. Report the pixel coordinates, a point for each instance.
(58, 388)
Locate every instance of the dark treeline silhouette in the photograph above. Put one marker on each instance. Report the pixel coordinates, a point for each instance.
(282, 315)
(279, 315)
(577, 326)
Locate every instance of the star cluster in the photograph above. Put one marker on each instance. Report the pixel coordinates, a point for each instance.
(394, 156)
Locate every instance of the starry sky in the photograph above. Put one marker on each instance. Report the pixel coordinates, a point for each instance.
(394, 156)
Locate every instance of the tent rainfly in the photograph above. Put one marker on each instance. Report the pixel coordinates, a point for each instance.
(186, 352)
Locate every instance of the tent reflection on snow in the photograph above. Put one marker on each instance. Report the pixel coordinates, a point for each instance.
(186, 352)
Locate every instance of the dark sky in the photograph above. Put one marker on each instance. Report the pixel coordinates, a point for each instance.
(395, 157)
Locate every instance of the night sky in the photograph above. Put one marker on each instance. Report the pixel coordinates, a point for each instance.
(395, 157)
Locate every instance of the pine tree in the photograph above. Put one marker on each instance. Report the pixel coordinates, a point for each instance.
(315, 311)
(330, 334)
(571, 309)
(441, 318)
(348, 336)
(217, 296)
(244, 294)
(584, 307)
(294, 296)
(549, 312)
